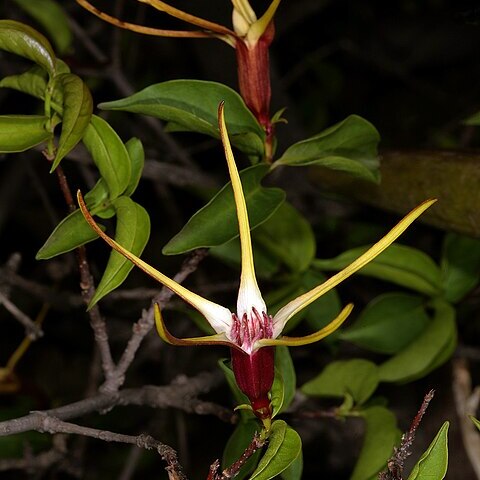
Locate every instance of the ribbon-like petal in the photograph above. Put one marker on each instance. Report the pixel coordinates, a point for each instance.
(187, 17)
(293, 307)
(258, 28)
(166, 336)
(248, 294)
(307, 339)
(220, 318)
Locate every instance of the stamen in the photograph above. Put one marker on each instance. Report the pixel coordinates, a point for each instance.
(250, 329)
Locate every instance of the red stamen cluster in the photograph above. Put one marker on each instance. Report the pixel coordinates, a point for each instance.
(250, 328)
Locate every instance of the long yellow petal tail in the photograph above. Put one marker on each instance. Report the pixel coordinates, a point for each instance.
(249, 294)
(219, 317)
(167, 337)
(312, 338)
(293, 307)
(187, 17)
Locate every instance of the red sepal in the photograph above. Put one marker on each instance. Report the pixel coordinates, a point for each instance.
(254, 376)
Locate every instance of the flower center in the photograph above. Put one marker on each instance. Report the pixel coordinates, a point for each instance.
(250, 328)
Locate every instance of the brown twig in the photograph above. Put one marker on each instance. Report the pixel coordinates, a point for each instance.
(44, 423)
(97, 322)
(256, 444)
(396, 463)
(146, 322)
(466, 404)
(181, 394)
(33, 331)
(39, 462)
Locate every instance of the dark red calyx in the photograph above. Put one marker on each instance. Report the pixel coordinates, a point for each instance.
(254, 375)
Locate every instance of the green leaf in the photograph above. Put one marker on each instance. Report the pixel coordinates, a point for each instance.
(284, 447)
(216, 222)
(381, 434)
(32, 82)
(98, 195)
(295, 470)
(357, 377)
(52, 17)
(399, 264)
(277, 393)
(21, 132)
(422, 355)
(191, 105)
(265, 265)
(15, 37)
(473, 120)
(288, 236)
(323, 310)
(389, 323)
(137, 160)
(284, 364)
(236, 445)
(319, 313)
(349, 146)
(460, 266)
(72, 232)
(132, 232)
(77, 112)
(433, 463)
(109, 154)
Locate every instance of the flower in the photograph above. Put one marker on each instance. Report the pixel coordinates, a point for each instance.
(250, 332)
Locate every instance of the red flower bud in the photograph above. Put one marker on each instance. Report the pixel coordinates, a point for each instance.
(254, 75)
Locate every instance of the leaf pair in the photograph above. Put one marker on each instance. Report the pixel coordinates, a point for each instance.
(62, 90)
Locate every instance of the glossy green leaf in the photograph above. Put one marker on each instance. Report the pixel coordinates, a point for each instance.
(433, 463)
(389, 323)
(319, 313)
(137, 160)
(357, 377)
(266, 266)
(460, 266)
(132, 232)
(21, 132)
(53, 19)
(77, 112)
(349, 146)
(277, 393)
(72, 232)
(473, 120)
(422, 355)
(284, 447)
(216, 222)
(399, 264)
(109, 154)
(191, 105)
(288, 236)
(294, 470)
(284, 364)
(236, 445)
(18, 38)
(381, 435)
(323, 310)
(34, 82)
(98, 195)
